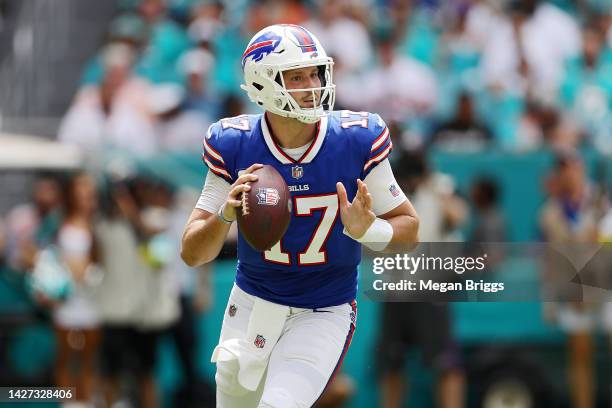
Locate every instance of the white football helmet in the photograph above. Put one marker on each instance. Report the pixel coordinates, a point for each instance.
(280, 48)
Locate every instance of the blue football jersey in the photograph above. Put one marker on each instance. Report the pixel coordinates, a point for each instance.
(315, 264)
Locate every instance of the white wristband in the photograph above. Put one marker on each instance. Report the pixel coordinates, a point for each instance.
(378, 235)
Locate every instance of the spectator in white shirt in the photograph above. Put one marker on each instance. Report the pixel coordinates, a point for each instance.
(336, 29)
(399, 87)
(115, 113)
(177, 129)
(526, 52)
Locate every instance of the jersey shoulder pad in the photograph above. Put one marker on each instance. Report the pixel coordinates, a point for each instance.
(364, 127)
(379, 143)
(222, 142)
(369, 131)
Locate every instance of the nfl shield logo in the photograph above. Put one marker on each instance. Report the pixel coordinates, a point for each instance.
(232, 310)
(260, 341)
(297, 172)
(394, 190)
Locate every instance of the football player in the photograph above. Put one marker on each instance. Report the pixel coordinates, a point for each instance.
(292, 312)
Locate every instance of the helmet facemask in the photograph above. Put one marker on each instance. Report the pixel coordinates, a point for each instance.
(266, 87)
(322, 96)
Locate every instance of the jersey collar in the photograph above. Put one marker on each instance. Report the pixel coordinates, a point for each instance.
(308, 155)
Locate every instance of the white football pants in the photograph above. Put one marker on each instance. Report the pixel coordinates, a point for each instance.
(306, 357)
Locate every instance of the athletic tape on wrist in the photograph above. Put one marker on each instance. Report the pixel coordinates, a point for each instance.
(378, 235)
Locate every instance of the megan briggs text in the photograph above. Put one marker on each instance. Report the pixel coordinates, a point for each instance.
(422, 285)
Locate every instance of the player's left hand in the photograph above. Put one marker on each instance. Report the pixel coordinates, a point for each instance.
(358, 215)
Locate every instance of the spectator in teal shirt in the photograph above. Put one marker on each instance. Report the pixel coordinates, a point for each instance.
(586, 91)
(129, 29)
(167, 41)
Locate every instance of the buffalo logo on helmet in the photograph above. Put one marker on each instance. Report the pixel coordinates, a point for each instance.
(260, 341)
(267, 196)
(261, 46)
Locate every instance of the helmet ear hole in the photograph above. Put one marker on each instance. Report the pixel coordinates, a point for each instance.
(258, 86)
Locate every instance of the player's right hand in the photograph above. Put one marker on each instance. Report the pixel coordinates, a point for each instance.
(241, 184)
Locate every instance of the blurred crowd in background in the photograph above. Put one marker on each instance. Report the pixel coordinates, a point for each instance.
(461, 76)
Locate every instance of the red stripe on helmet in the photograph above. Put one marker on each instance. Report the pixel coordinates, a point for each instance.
(256, 46)
(306, 41)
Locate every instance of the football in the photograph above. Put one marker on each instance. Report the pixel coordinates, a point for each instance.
(265, 213)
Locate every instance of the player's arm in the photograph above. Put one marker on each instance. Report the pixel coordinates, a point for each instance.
(405, 223)
(384, 219)
(207, 228)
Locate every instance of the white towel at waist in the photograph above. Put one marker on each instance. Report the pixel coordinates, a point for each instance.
(253, 352)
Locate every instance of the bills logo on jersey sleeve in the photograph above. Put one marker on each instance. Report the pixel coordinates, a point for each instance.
(267, 196)
(261, 46)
